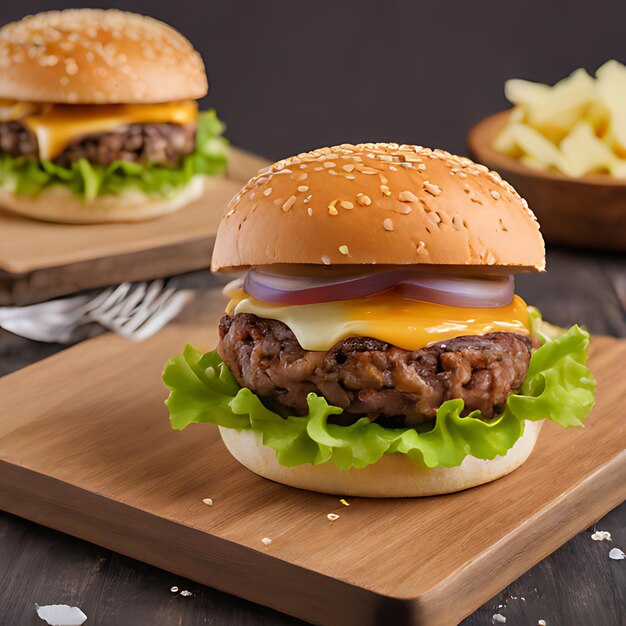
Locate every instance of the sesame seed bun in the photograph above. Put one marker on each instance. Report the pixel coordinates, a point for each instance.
(58, 204)
(384, 204)
(393, 476)
(92, 56)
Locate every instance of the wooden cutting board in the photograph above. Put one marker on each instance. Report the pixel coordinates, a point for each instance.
(86, 448)
(39, 260)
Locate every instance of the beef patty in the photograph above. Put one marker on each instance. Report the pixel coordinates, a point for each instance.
(365, 376)
(165, 144)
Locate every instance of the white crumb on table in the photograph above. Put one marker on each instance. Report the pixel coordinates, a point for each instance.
(332, 517)
(266, 541)
(497, 618)
(186, 593)
(601, 535)
(541, 622)
(208, 501)
(174, 589)
(617, 555)
(61, 615)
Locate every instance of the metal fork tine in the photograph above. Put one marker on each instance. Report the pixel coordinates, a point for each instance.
(132, 300)
(111, 300)
(144, 312)
(163, 315)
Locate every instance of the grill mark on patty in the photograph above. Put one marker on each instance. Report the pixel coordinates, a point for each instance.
(366, 376)
(164, 144)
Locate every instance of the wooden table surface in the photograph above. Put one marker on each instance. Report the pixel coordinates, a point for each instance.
(577, 585)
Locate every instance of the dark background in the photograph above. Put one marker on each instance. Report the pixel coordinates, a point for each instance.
(289, 75)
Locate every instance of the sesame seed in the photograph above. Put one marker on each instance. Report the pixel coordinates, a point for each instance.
(331, 208)
(431, 188)
(174, 589)
(367, 170)
(48, 60)
(266, 541)
(404, 209)
(310, 211)
(407, 196)
(318, 169)
(344, 250)
(388, 224)
(71, 67)
(308, 198)
(303, 188)
(346, 205)
(348, 168)
(332, 517)
(278, 201)
(363, 200)
(289, 203)
(208, 501)
(301, 176)
(329, 164)
(325, 260)
(421, 247)
(393, 169)
(268, 191)
(350, 176)
(524, 203)
(495, 194)
(303, 166)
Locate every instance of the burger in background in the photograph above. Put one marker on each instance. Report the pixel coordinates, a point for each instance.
(99, 120)
(375, 346)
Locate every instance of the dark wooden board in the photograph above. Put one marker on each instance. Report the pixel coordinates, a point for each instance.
(96, 458)
(39, 260)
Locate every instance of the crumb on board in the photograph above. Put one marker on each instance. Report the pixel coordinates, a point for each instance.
(266, 541)
(186, 593)
(174, 589)
(541, 622)
(332, 517)
(54, 614)
(617, 555)
(601, 535)
(498, 618)
(344, 502)
(208, 501)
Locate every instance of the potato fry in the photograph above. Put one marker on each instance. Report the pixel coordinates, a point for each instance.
(611, 85)
(577, 127)
(584, 153)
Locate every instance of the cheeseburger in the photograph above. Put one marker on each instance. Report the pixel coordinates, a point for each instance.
(375, 346)
(99, 120)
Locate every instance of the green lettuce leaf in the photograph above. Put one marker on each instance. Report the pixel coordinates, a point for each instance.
(28, 176)
(558, 387)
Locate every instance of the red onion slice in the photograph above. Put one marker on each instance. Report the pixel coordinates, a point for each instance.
(484, 292)
(463, 292)
(288, 289)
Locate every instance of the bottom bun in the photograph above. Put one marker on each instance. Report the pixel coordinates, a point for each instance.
(393, 476)
(58, 204)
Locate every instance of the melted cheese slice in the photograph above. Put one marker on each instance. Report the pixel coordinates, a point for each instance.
(407, 324)
(58, 125)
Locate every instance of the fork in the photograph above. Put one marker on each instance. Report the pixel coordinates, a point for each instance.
(133, 310)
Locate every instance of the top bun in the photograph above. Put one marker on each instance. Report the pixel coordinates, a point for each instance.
(378, 203)
(92, 56)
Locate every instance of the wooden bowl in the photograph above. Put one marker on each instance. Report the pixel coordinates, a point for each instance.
(589, 211)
